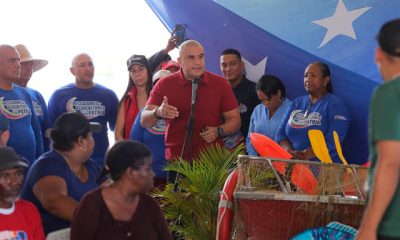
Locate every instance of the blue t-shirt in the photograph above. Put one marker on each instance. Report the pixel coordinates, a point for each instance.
(154, 138)
(328, 114)
(98, 104)
(261, 123)
(39, 104)
(53, 164)
(25, 134)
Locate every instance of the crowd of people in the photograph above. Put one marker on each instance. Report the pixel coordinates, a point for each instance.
(57, 157)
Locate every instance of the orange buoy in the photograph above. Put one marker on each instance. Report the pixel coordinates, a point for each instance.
(225, 208)
(267, 147)
(301, 175)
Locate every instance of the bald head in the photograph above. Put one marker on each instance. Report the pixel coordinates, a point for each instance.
(9, 66)
(82, 68)
(78, 57)
(6, 47)
(191, 59)
(189, 44)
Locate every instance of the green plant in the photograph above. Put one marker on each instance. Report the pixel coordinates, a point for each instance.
(193, 210)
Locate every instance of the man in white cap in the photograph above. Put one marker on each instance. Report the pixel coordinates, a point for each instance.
(19, 219)
(16, 104)
(28, 66)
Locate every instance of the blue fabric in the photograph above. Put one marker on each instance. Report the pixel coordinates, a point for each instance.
(53, 164)
(261, 123)
(324, 233)
(39, 104)
(154, 138)
(98, 104)
(276, 47)
(25, 134)
(328, 114)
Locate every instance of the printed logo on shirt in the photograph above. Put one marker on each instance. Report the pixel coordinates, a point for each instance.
(91, 109)
(13, 235)
(38, 109)
(14, 109)
(242, 108)
(339, 117)
(159, 128)
(298, 120)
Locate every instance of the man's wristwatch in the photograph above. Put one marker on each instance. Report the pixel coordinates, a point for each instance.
(220, 132)
(155, 114)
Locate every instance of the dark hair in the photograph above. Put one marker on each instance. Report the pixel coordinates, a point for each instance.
(149, 85)
(326, 72)
(232, 51)
(67, 129)
(270, 85)
(389, 38)
(123, 155)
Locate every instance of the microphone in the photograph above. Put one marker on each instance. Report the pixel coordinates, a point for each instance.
(195, 85)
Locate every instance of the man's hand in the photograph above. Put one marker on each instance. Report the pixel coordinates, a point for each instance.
(209, 134)
(167, 111)
(172, 41)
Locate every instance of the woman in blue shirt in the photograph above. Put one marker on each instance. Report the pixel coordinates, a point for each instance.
(59, 178)
(320, 109)
(267, 115)
(153, 138)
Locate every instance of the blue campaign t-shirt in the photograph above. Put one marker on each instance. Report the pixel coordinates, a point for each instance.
(53, 164)
(98, 104)
(39, 104)
(153, 138)
(261, 123)
(328, 114)
(25, 134)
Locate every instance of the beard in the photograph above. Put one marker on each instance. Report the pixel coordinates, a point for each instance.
(10, 196)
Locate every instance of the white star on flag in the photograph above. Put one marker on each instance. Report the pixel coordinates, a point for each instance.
(340, 23)
(254, 72)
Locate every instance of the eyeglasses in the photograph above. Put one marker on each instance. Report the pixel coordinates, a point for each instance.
(6, 177)
(266, 99)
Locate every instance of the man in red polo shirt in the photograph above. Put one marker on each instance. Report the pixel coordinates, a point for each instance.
(216, 114)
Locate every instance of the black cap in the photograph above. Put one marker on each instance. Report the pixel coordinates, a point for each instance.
(389, 38)
(74, 124)
(9, 159)
(137, 60)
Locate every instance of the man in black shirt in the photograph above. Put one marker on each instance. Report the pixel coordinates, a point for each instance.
(232, 68)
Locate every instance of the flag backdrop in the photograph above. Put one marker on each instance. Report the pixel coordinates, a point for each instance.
(282, 37)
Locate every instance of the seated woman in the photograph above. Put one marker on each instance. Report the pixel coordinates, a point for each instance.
(135, 96)
(267, 115)
(122, 210)
(320, 109)
(153, 138)
(60, 177)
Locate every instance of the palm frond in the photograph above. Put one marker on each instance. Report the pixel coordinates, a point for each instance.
(193, 210)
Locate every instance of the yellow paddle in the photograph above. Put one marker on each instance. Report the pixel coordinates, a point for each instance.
(318, 145)
(339, 149)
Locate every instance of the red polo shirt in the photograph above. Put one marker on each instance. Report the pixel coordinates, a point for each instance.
(214, 97)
